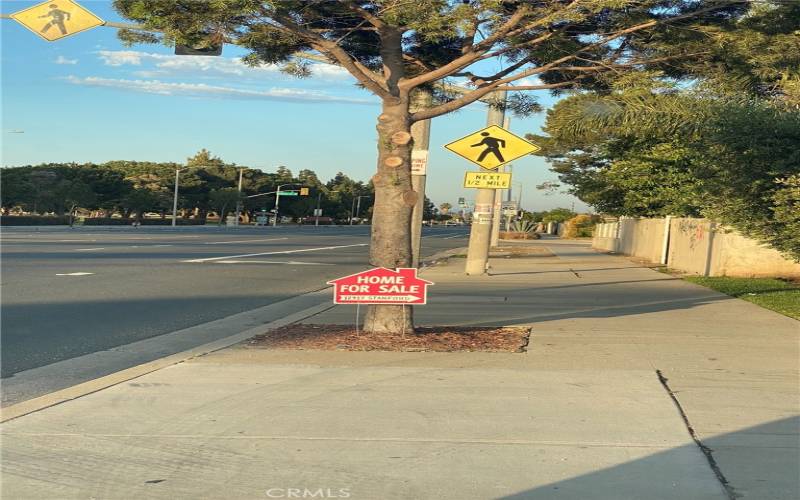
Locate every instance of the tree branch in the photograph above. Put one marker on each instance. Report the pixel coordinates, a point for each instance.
(472, 54)
(475, 95)
(366, 15)
(366, 77)
(542, 20)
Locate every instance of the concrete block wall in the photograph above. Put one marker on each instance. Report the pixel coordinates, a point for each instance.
(690, 245)
(642, 238)
(696, 246)
(605, 237)
(736, 255)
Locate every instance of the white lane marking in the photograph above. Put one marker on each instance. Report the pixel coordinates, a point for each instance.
(456, 236)
(73, 274)
(241, 241)
(120, 248)
(284, 252)
(290, 262)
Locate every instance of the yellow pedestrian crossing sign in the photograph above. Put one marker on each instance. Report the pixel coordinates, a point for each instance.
(56, 19)
(492, 147)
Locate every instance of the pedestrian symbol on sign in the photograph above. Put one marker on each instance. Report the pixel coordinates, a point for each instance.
(57, 18)
(493, 145)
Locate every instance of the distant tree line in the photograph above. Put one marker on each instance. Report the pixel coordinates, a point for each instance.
(206, 185)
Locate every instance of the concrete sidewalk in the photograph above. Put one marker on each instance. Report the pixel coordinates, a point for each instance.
(587, 412)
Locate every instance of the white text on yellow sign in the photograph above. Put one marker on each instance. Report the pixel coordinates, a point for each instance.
(56, 19)
(487, 180)
(492, 147)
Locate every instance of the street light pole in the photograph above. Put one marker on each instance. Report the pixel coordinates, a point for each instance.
(239, 199)
(357, 205)
(316, 212)
(277, 201)
(175, 197)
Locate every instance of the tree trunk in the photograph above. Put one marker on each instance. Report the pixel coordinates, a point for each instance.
(390, 245)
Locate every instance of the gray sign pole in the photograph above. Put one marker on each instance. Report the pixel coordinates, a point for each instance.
(481, 232)
(421, 134)
(498, 201)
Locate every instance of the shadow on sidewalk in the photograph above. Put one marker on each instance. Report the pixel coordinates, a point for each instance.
(569, 270)
(745, 459)
(609, 311)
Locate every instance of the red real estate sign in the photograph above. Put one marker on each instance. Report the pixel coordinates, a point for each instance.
(381, 286)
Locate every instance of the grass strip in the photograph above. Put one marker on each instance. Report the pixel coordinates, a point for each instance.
(774, 294)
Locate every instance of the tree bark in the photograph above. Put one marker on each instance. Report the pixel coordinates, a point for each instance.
(390, 245)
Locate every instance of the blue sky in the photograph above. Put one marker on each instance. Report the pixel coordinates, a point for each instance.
(89, 98)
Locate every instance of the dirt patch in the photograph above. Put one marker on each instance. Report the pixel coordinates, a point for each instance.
(513, 235)
(440, 339)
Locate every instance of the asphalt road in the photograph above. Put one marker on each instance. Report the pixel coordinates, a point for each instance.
(70, 292)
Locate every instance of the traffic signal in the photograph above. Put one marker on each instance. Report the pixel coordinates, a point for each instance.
(303, 191)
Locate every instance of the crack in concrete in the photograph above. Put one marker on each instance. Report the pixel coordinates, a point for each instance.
(708, 452)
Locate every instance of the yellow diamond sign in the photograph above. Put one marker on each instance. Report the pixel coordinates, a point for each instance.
(57, 19)
(492, 147)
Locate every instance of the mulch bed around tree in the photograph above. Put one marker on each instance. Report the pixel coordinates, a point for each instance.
(441, 339)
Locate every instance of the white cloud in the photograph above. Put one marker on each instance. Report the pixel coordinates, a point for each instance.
(213, 91)
(122, 57)
(528, 81)
(205, 65)
(64, 60)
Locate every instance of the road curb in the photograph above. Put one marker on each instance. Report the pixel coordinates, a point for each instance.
(84, 389)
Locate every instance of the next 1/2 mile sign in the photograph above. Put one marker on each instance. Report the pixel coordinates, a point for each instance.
(381, 286)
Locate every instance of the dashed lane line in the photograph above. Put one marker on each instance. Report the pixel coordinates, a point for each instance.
(283, 252)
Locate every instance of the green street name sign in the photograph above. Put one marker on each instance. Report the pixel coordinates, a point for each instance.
(288, 193)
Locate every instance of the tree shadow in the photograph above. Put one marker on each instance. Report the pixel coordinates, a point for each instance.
(568, 271)
(758, 462)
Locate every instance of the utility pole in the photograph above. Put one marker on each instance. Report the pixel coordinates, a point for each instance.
(421, 135)
(481, 232)
(498, 201)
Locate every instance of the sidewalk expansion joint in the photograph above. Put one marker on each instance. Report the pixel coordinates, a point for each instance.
(708, 452)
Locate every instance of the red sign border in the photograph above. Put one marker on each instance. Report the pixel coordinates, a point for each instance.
(426, 283)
